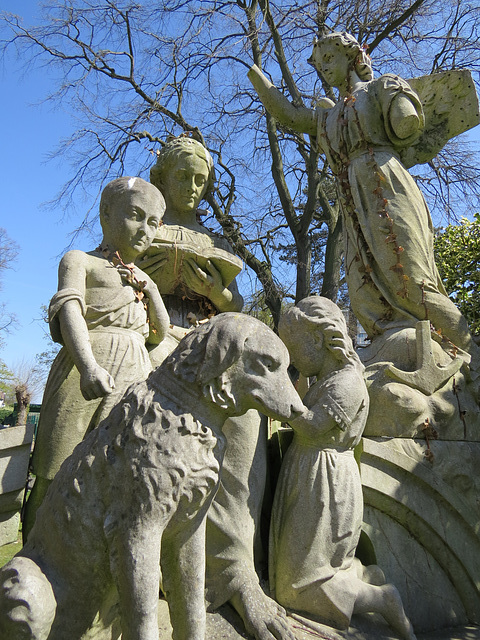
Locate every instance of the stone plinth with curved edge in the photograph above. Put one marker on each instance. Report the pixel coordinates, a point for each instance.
(422, 519)
(225, 624)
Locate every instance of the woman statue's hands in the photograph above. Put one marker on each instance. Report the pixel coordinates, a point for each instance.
(208, 282)
(153, 264)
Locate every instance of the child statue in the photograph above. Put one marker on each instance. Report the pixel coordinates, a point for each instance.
(105, 311)
(318, 505)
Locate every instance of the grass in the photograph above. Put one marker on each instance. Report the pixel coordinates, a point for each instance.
(7, 551)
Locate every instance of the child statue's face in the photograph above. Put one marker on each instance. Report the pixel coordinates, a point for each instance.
(133, 221)
(305, 343)
(185, 184)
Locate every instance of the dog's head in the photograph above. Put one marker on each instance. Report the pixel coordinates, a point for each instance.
(239, 364)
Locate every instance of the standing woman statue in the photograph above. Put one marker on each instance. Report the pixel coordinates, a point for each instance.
(195, 271)
(194, 268)
(392, 278)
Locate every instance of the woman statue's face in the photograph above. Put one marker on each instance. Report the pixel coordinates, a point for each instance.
(185, 183)
(333, 63)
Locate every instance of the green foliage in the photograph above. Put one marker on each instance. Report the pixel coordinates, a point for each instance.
(7, 383)
(5, 413)
(457, 253)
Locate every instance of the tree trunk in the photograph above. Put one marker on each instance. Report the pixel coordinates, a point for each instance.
(304, 264)
(23, 396)
(333, 261)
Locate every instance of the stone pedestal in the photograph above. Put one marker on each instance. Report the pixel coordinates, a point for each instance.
(422, 526)
(15, 445)
(226, 625)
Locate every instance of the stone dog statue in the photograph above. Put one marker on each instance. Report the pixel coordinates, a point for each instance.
(125, 514)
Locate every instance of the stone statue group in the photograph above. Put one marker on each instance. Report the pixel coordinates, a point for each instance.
(150, 459)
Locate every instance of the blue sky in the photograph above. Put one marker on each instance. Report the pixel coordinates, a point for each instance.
(30, 132)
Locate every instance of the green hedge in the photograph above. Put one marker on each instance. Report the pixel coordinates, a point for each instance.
(5, 412)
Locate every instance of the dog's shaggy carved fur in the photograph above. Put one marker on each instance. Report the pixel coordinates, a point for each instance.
(134, 494)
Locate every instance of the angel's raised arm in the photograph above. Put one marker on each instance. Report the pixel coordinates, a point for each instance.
(299, 119)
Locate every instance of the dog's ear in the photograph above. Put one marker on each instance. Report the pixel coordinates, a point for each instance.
(211, 348)
(224, 347)
(187, 358)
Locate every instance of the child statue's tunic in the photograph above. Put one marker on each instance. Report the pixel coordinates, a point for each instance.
(117, 327)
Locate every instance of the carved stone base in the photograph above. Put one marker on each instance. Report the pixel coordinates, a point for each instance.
(226, 625)
(411, 379)
(422, 526)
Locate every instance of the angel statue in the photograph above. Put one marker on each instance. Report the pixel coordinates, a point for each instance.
(377, 129)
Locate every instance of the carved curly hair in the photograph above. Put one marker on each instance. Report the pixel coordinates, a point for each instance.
(326, 316)
(360, 60)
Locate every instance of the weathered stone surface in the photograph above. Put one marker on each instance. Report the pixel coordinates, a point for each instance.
(195, 269)
(423, 520)
(11, 437)
(318, 505)
(226, 625)
(400, 407)
(15, 445)
(9, 526)
(134, 494)
(391, 274)
(99, 316)
(422, 367)
(450, 104)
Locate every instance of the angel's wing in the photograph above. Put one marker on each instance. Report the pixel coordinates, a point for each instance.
(450, 104)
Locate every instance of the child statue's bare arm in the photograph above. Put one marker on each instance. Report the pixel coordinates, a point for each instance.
(95, 381)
